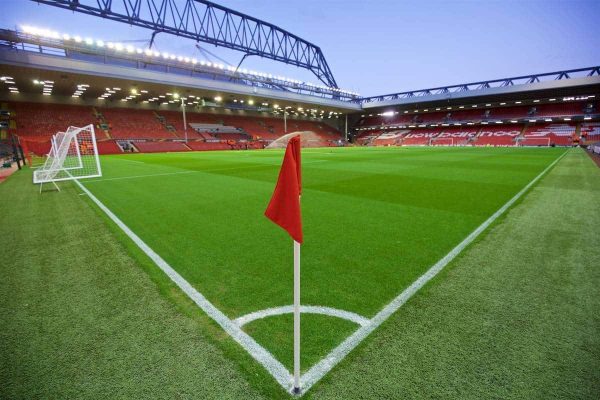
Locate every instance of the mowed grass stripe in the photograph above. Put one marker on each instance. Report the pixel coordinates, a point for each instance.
(517, 316)
(360, 251)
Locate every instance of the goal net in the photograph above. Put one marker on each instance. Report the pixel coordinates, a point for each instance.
(445, 141)
(307, 139)
(73, 155)
(535, 141)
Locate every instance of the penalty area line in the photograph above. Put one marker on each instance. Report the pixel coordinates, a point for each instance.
(325, 365)
(259, 353)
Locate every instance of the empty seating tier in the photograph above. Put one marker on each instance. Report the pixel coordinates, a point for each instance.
(134, 124)
(548, 134)
(34, 119)
(497, 136)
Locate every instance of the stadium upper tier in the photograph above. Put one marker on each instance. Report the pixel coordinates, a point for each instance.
(81, 48)
(546, 110)
(516, 135)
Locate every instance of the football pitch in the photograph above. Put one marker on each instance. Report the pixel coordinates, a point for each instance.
(375, 221)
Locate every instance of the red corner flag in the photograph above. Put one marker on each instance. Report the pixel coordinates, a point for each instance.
(284, 207)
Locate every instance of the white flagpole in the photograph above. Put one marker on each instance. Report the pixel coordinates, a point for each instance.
(296, 317)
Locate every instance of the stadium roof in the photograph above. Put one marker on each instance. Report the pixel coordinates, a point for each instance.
(74, 61)
(577, 82)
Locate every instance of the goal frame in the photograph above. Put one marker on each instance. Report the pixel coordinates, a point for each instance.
(67, 146)
(433, 141)
(529, 138)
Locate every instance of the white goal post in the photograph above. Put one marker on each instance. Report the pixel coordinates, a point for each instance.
(534, 141)
(441, 141)
(73, 155)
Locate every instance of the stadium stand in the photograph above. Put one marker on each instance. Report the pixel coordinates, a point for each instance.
(451, 116)
(160, 147)
(549, 134)
(109, 147)
(590, 132)
(207, 146)
(420, 137)
(388, 138)
(498, 136)
(454, 136)
(35, 119)
(134, 124)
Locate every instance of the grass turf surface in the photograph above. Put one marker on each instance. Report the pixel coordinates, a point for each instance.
(506, 169)
(372, 221)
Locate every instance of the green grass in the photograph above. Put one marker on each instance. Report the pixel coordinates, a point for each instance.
(371, 217)
(516, 316)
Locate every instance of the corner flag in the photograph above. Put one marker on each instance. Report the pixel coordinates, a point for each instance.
(284, 210)
(284, 207)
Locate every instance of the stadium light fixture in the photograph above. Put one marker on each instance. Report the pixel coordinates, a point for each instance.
(536, 101)
(130, 49)
(551, 99)
(218, 98)
(566, 119)
(134, 91)
(532, 120)
(548, 120)
(502, 104)
(514, 121)
(517, 102)
(587, 118)
(176, 95)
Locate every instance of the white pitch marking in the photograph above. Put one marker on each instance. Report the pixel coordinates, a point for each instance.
(133, 161)
(259, 353)
(318, 370)
(141, 176)
(332, 312)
